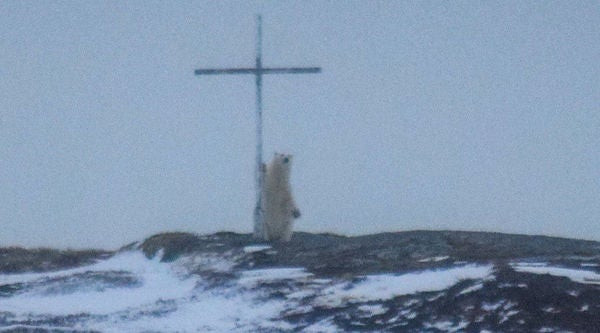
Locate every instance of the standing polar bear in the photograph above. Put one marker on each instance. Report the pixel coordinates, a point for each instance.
(279, 208)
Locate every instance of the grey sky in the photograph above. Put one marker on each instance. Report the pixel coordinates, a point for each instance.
(428, 115)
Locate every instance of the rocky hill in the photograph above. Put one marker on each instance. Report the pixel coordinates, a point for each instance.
(417, 281)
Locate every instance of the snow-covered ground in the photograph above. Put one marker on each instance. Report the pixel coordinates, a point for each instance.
(413, 281)
(130, 293)
(155, 296)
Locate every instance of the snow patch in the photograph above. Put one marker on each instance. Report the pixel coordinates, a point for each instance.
(410, 303)
(254, 277)
(408, 314)
(383, 287)
(256, 248)
(491, 306)
(471, 289)
(157, 282)
(507, 315)
(447, 326)
(212, 262)
(373, 310)
(434, 259)
(323, 326)
(217, 310)
(300, 294)
(575, 275)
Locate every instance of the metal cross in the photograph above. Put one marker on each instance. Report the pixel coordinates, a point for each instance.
(258, 72)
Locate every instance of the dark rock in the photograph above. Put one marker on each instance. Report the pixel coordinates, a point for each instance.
(16, 259)
(335, 255)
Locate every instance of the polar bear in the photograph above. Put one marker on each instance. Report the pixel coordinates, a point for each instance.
(279, 208)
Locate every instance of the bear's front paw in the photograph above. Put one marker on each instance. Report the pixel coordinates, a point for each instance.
(296, 213)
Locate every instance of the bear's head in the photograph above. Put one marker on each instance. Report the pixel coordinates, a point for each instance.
(283, 158)
(283, 161)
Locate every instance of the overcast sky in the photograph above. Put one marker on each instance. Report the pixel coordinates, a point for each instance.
(427, 115)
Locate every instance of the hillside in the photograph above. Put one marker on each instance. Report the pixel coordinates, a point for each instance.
(415, 281)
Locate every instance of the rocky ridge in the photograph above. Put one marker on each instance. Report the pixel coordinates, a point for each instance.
(415, 281)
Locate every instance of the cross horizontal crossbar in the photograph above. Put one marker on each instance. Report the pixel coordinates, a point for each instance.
(281, 70)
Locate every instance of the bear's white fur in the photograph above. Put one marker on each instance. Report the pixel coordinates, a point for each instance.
(279, 209)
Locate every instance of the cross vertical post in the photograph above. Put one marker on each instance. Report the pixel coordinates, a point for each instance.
(258, 72)
(260, 174)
